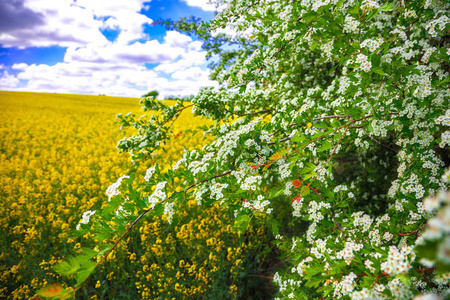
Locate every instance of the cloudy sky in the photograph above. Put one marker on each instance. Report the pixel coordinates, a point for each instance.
(100, 47)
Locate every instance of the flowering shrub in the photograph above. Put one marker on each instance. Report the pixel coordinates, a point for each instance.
(311, 89)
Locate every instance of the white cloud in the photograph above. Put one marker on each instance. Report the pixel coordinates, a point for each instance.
(119, 70)
(188, 59)
(176, 39)
(7, 81)
(72, 23)
(194, 73)
(206, 5)
(92, 64)
(109, 79)
(136, 53)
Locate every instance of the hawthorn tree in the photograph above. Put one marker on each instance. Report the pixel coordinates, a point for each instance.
(336, 111)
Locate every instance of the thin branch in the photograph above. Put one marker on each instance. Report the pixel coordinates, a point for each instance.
(258, 112)
(337, 224)
(406, 234)
(332, 117)
(379, 142)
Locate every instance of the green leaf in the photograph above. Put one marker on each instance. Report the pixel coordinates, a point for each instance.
(85, 270)
(275, 227)
(343, 204)
(386, 7)
(305, 192)
(308, 168)
(372, 14)
(64, 268)
(309, 16)
(241, 223)
(354, 10)
(325, 146)
(404, 279)
(158, 210)
(368, 281)
(378, 70)
(298, 138)
(308, 176)
(274, 193)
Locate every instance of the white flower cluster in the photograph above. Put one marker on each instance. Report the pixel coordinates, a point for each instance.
(260, 204)
(408, 13)
(85, 218)
(374, 294)
(327, 49)
(424, 80)
(379, 127)
(113, 189)
(216, 190)
(351, 24)
(284, 171)
(228, 142)
(388, 236)
(320, 248)
(297, 205)
(397, 261)
(346, 286)
(168, 211)
(250, 183)
(198, 195)
(372, 44)
(362, 220)
(320, 172)
(176, 166)
(364, 64)
(440, 23)
(286, 13)
(303, 265)
(347, 253)
(316, 4)
(438, 228)
(427, 54)
(399, 290)
(361, 144)
(274, 38)
(122, 212)
(412, 185)
(444, 119)
(202, 165)
(369, 4)
(341, 187)
(265, 136)
(149, 173)
(445, 139)
(158, 195)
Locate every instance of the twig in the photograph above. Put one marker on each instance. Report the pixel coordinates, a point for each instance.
(337, 224)
(258, 112)
(379, 142)
(406, 234)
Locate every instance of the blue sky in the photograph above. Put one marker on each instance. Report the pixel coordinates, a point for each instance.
(100, 47)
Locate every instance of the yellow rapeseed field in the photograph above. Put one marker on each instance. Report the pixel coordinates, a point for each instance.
(57, 158)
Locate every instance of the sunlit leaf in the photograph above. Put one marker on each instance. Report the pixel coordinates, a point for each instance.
(52, 291)
(276, 156)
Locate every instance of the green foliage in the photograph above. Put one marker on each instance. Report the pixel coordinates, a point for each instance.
(152, 94)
